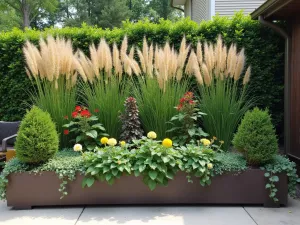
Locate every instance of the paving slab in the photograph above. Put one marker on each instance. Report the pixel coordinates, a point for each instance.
(277, 216)
(165, 215)
(39, 216)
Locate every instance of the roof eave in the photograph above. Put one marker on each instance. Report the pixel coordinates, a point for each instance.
(269, 8)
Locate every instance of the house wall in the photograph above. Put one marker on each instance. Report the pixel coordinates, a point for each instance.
(228, 7)
(187, 9)
(201, 10)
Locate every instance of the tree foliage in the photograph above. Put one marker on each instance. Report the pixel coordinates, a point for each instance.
(102, 13)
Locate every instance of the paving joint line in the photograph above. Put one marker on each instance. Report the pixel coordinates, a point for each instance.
(250, 216)
(79, 215)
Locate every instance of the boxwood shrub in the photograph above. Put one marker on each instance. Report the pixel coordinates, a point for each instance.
(264, 50)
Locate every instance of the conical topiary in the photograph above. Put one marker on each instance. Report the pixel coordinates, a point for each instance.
(256, 137)
(37, 139)
(131, 125)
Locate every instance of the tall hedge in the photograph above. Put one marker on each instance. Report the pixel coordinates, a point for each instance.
(264, 50)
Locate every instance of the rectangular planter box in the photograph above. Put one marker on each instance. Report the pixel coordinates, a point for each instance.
(246, 188)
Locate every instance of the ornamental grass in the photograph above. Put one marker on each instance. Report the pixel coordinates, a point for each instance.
(105, 88)
(160, 85)
(53, 68)
(223, 92)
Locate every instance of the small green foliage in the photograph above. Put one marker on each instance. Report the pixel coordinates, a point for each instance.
(65, 164)
(185, 125)
(37, 140)
(106, 164)
(256, 137)
(281, 164)
(198, 161)
(86, 128)
(229, 162)
(155, 163)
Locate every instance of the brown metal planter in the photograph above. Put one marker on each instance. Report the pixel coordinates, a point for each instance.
(27, 190)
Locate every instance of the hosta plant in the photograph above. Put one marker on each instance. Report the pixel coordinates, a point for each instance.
(156, 163)
(186, 123)
(85, 127)
(198, 161)
(107, 164)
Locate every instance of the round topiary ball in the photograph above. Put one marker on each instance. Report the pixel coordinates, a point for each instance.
(37, 139)
(256, 137)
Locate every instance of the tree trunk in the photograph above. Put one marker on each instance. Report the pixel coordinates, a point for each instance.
(25, 14)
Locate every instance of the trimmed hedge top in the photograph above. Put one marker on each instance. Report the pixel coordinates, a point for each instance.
(264, 50)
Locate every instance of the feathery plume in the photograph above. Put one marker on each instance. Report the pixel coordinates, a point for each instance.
(240, 65)
(206, 75)
(198, 75)
(117, 61)
(124, 48)
(247, 76)
(150, 61)
(142, 61)
(94, 59)
(199, 53)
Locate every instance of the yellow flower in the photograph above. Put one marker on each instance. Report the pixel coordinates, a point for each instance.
(222, 142)
(205, 141)
(215, 138)
(152, 135)
(119, 162)
(210, 166)
(167, 143)
(122, 143)
(77, 148)
(112, 142)
(104, 140)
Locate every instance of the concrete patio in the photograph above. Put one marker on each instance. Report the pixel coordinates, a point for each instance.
(186, 215)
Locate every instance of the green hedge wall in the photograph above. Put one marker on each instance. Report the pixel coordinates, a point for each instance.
(264, 50)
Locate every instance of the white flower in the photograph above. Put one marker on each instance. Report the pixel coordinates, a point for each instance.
(112, 142)
(151, 135)
(210, 166)
(77, 148)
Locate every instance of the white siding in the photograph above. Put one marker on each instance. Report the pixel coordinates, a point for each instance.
(228, 7)
(187, 9)
(200, 10)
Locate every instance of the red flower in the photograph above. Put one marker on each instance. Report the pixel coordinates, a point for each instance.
(96, 110)
(179, 107)
(78, 108)
(66, 117)
(191, 102)
(182, 100)
(74, 114)
(66, 132)
(85, 113)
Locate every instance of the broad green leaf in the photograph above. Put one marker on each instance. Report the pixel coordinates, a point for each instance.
(108, 176)
(92, 134)
(142, 168)
(151, 184)
(165, 159)
(267, 174)
(152, 174)
(115, 172)
(99, 126)
(89, 181)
